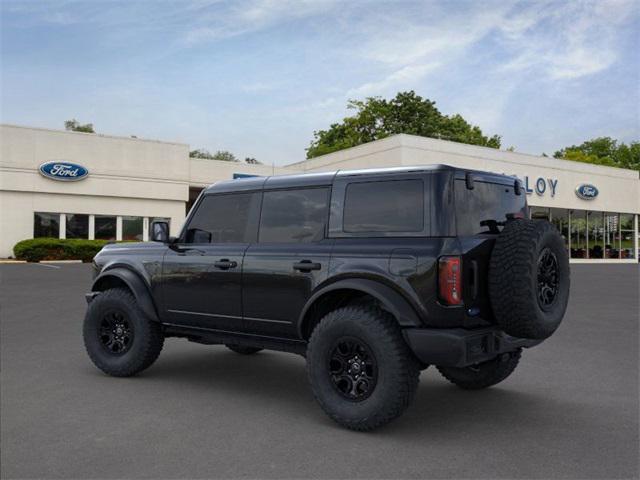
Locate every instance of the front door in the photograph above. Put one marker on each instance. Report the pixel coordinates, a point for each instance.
(202, 271)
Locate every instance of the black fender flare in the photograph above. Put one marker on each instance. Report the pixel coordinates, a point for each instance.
(136, 285)
(391, 300)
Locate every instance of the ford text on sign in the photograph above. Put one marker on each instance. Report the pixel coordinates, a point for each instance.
(64, 171)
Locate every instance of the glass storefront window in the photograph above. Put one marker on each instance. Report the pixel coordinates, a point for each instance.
(540, 213)
(46, 225)
(578, 234)
(132, 228)
(626, 236)
(595, 225)
(77, 226)
(611, 235)
(105, 227)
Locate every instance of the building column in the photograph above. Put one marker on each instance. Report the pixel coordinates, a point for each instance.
(145, 229)
(635, 237)
(92, 227)
(118, 228)
(63, 225)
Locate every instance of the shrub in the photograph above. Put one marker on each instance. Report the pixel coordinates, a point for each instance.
(36, 249)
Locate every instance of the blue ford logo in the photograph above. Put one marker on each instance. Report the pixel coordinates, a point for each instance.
(64, 171)
(586, 191)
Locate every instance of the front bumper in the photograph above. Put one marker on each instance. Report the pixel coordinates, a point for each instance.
(459, 347)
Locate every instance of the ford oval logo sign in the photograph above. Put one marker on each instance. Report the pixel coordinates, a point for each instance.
(64, 171)
(586, 191)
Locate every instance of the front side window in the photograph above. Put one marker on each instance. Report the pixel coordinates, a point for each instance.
(77, 226)
(46, 225)
(294, 216)
(394, 206)
(226, 218)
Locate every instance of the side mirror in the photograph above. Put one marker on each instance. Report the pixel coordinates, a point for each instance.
(160, 232)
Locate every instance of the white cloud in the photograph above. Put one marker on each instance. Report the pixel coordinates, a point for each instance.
(250, 16)
(405, 77)
(565, 41)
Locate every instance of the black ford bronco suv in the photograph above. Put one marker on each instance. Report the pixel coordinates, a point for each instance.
(372, 275)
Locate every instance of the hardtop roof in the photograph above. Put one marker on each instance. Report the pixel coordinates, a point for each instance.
(327, 178)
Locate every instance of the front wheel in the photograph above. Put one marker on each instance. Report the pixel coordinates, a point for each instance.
(360, 368)
(120, 340)
(485, 374)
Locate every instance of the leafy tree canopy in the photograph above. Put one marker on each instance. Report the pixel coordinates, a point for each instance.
(377, 118)
(75, 126)
(604, 151)
(223, 155)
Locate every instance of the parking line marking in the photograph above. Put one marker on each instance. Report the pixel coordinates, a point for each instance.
(47, 265)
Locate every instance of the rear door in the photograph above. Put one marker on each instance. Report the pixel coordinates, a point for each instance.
(289, 260)
(202, 272)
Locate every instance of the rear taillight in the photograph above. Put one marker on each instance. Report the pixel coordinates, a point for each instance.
(450, 280)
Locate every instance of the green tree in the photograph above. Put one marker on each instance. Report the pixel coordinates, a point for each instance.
(219, 155)
(377, 118)
(201, 153)
(225, 156)
(74, 126)
(604, 151)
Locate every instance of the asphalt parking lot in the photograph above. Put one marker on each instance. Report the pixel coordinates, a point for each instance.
(569, 411)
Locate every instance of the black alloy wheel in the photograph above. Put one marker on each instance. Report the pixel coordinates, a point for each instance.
(116, 332)
(353, 369)
(547, 278)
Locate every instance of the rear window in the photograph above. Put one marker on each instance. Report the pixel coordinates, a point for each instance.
(487, 201)
(388, 206)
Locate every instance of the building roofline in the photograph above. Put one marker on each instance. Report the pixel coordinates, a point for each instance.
(118, 137)
(469, 149)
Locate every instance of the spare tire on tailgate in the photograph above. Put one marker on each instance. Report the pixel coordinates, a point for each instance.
(529, 279)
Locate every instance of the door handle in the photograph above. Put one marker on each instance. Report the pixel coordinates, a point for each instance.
(306, 266)
(225, 264)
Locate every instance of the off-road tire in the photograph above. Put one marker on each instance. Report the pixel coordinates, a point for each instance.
(397, 369)
(146, 344)
(242, 349)
(514, 279)
(484, 374)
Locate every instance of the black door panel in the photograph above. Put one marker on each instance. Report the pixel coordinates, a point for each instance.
(198, 292)
(278, 281)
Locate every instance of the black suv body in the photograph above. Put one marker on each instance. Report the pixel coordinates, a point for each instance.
(262, 262)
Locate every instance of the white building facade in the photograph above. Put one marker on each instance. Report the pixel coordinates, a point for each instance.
(129, 182)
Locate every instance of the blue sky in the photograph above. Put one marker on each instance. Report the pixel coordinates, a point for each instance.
(258, 77)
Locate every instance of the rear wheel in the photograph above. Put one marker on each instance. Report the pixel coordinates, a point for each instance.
(483, 375)
(120, 340)
(241, 349)
(360, 369)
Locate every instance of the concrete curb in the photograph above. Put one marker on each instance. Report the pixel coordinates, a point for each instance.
(9, 261)
(60, 261)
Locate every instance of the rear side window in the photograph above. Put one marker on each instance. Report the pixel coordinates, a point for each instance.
(386, 206)
(294, 216)
(486, 202)
(228, 218)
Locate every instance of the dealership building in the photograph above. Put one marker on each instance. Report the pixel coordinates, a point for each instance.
(79, 185)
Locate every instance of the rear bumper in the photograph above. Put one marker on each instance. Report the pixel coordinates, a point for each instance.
(459, 347)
